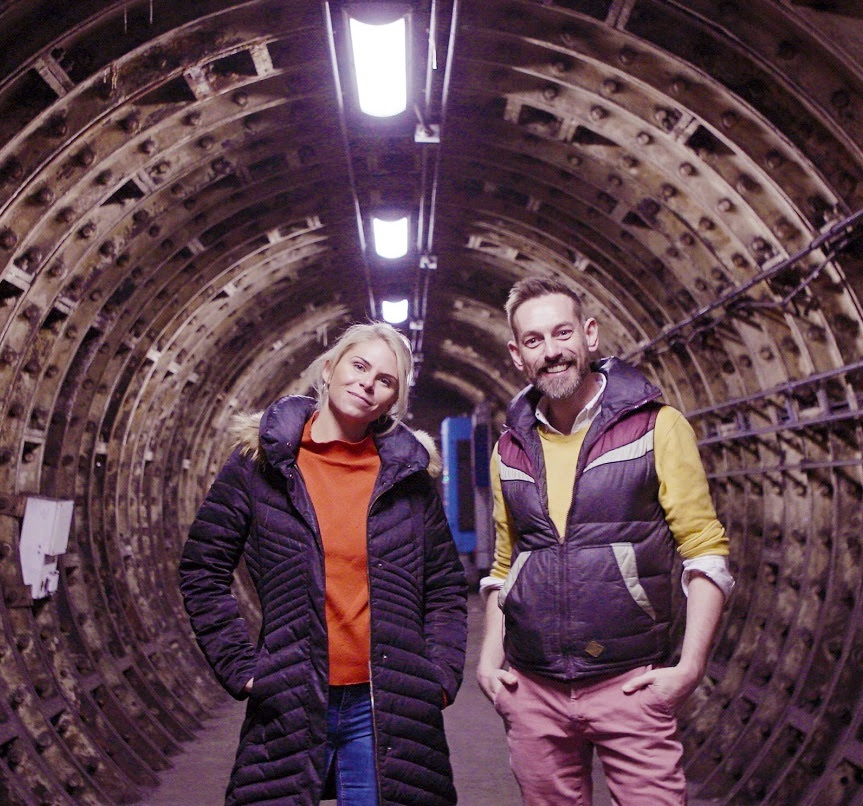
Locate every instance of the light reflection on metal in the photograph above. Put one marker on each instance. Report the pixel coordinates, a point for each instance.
(837, 237)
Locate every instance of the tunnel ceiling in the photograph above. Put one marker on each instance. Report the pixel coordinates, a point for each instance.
(185, 193)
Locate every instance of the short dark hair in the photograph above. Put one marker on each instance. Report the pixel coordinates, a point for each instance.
(532, 287)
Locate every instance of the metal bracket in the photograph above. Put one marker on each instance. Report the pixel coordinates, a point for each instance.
(427, 133)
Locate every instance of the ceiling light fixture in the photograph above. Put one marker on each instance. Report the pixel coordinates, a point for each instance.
(394, 311)
(391, 237)
(380, 66)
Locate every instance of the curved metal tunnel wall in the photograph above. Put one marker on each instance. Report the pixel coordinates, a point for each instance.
(178, 239)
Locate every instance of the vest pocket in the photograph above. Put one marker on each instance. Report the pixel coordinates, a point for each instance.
(512, 576)
(624, 554)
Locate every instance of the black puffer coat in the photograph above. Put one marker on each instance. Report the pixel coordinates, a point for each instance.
(258, 507)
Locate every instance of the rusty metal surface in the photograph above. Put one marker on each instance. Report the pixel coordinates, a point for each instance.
(180, 187)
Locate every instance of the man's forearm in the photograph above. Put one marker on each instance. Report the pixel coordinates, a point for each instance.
(703, 612)
(491, 654)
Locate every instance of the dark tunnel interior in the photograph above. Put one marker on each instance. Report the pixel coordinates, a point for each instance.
(185, 200)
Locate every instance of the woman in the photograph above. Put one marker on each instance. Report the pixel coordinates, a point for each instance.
(362, 593)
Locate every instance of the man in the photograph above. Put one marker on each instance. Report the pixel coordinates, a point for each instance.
(595, 484)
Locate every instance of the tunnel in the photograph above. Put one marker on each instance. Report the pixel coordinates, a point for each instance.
(186, 191)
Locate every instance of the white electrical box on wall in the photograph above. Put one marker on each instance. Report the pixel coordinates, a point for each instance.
(44, 536)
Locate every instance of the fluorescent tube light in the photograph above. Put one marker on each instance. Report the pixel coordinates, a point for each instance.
(394, 311)
(380, 62)
(391, 237)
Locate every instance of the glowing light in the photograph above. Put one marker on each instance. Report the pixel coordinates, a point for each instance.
(391, 237)
(394, 311)
(380, 62)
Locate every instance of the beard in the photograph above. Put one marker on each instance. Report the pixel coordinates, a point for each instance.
(560, 387)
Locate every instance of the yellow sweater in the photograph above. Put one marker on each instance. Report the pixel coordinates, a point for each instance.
(683, 490)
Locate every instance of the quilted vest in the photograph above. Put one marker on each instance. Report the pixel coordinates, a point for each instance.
(597, 599)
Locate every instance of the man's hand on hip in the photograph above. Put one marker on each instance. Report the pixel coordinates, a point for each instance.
(490, 680)
(674, 684)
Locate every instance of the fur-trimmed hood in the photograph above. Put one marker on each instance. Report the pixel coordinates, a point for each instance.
(244, 431)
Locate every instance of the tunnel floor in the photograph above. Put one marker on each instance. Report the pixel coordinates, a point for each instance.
(475, 733)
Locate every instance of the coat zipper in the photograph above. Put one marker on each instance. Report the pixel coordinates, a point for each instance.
(316, 533)
(375, 737)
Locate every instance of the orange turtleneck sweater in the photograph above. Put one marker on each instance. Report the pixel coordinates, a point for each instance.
(340, 477)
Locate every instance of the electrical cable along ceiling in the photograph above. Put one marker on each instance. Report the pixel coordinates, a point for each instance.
(186, 194)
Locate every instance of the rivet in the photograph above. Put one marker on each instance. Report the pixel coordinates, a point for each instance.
(86, 157)
(724, 205)
(729, 119)
(87, 230)
(31, 313)
(207, 142)
(131, 123)
(745, 184)
(626, 56)
(774, 160)
(66, 215)
(706, 224)
(8, 239)
(104, 177)
(44, 196)
(12, 170)
(549, 92)
(598, 113)
(193, 118)
(241, 98)
(644, 138)
(679, 85)
(664, 117)
(610, 87)
(148, 146)
(57, 126)
(686, 169)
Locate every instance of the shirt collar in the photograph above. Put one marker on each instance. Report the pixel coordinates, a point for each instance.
(585, 417)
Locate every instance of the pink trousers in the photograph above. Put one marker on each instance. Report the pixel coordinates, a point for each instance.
(552, 729)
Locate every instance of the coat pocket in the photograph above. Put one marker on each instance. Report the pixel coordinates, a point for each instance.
(512, 577)
(624, 555)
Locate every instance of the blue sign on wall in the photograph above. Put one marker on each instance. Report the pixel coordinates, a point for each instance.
(458, 481)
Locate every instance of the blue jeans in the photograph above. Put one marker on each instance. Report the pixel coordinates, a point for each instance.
(351, 745)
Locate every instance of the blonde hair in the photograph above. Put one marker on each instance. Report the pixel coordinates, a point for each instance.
(359, 334)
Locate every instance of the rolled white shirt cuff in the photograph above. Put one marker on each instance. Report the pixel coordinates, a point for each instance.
(489, 584)
(714, 567)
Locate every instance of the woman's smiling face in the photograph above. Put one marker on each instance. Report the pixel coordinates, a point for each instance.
(364, 384)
